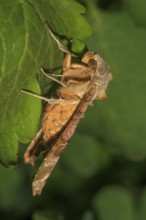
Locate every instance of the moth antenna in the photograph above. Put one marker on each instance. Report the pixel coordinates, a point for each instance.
(61, 46)
(50, 76)
(36, 95)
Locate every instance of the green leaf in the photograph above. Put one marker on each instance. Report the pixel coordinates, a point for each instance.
(114, 202)
(65, 17)
(24, 48)
(120, 119)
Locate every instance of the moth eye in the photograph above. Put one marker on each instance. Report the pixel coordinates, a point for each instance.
(92, 64)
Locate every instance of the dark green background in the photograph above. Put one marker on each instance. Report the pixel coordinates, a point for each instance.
(101, 175)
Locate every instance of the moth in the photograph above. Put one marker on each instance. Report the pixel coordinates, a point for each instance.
(80, 84)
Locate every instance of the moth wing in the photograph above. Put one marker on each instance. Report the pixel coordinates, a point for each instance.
(32, 150)
(60, 143)
(53, 132)
(55, 118)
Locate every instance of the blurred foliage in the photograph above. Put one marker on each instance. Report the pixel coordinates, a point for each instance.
(101, 175)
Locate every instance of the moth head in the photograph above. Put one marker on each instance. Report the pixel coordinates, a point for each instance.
(89, 59)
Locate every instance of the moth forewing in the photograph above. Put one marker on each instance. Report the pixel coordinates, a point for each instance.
(53, 155)
(32, 150)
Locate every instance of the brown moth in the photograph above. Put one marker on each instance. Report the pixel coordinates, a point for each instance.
(81, 83)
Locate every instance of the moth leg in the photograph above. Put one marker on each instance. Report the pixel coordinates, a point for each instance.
(61, 46)
(79, 66)
(36, 95)
(50, 76)
(71, 70)
(54, 74)
(67, 62)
